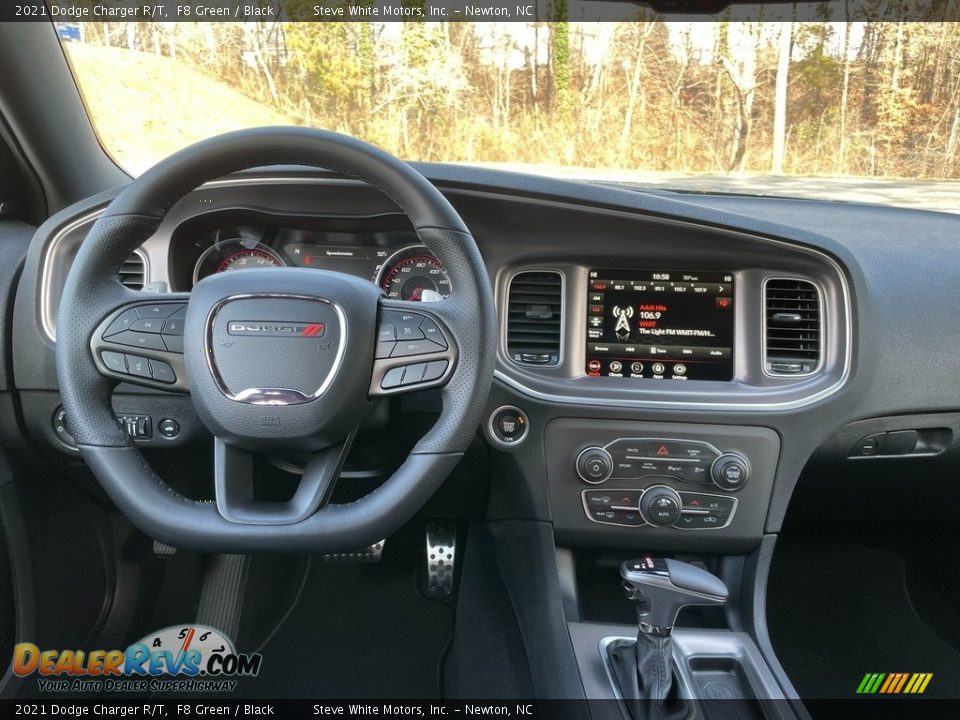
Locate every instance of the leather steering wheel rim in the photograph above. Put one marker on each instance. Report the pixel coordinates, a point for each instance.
(92, 291)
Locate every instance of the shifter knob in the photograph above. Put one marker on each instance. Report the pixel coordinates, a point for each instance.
(661, 587)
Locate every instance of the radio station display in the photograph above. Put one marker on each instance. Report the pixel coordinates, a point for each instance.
(660, 325)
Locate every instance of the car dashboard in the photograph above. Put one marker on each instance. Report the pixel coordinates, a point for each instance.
(667, 364)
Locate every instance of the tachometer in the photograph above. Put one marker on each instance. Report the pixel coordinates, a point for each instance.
(234, 254)
(414, 274)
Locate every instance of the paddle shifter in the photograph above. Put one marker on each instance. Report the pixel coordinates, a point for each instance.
(644, 669)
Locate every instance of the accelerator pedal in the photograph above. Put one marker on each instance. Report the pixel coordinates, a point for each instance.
(441, 558)
(221, 599)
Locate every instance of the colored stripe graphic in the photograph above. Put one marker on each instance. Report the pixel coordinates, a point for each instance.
(894, 683)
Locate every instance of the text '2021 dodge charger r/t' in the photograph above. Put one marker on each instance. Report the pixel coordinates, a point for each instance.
(591, 360)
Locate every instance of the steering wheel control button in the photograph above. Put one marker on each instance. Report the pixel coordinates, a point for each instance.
(383, 349)
(172, 327)
(434, 370)
(431, 331)
(138, 340)
(168, 428)
(594, 465)
(413, 374)
(117, 362)
(148, 325)
(661, 505)
(406, 348)
(730, 472)
(386, 332)
(173, 343)
(123, 322)
(139, 366)
(393, 378)
(508, 425)
(61, 430)
(162, 372)
(165, 310)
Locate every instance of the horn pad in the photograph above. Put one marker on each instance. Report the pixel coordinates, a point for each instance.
(281, 356)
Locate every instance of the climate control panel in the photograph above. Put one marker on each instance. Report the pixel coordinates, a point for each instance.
(659, 506)
(658, 485)
(693, 461)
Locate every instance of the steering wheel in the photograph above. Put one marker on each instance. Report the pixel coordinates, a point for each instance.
(274, 358)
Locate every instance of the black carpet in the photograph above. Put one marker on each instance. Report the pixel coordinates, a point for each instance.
(837, 610)
(357, 631)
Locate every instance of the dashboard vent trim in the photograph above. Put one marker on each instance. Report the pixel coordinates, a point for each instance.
(534, 318)
(792, 327)
(133, 271)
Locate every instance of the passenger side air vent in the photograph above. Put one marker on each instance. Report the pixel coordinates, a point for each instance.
(133, 272)
(793, 329)
(534, 309)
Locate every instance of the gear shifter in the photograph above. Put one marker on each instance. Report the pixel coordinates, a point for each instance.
(644, 669)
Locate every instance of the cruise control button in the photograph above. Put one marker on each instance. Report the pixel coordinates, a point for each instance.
(123, 322)
(408, 332)
(114, 361)
(406, 348)
(434, 370)
(139, 340)
(431, 331)
(413, 375)
(384, 348)
(139, 366)
(174, 343)
(179, 312)
(393, 378)
(402, 318)
(162, 372)
(148, 325)
(386, 332)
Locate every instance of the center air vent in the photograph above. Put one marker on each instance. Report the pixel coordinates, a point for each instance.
(793, 337)
(133, 272)
(534, 310)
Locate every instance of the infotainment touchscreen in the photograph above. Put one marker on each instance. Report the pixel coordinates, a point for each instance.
(663, 325)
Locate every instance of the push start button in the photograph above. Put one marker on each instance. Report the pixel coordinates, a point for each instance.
(509, 425)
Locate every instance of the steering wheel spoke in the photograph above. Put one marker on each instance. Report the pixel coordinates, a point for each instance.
(141, 342)
(415, 349)
(234, 473)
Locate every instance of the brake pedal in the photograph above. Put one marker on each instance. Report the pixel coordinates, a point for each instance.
(370, 554)
(441, 558)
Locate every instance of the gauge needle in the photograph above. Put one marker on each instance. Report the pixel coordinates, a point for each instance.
(416, 294)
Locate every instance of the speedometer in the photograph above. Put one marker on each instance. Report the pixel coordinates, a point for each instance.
(414, 274)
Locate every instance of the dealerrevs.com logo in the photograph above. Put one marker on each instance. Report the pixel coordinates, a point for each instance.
(183, 658)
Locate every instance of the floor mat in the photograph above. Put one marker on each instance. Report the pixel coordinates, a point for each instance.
(358, 631)
(838, 610)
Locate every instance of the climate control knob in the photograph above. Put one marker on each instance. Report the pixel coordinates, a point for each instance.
(661, 505)
(594, 465)
(730, 472)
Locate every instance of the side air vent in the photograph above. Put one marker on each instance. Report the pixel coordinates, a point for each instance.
(534, 309)
(133, 272)
(793, 327)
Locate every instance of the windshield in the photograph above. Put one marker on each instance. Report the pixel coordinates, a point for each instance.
(846, 111)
